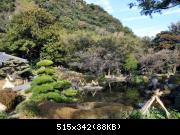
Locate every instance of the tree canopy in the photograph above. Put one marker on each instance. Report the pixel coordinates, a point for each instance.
(169, 39)
(28, 32)
(68, 33)
(148, 7)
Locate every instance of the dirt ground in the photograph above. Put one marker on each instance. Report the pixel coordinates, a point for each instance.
(2, 82)
(17, 82)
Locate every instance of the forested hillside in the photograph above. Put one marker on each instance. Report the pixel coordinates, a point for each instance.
(76, 14)
(66, 32)
(73, 14)
(6, 9)
(79, 36)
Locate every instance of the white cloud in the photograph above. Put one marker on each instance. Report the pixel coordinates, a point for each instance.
(166, 13)
(107, 5)
(135, 18)
(149, 31)
(170, 12)
(104, 3)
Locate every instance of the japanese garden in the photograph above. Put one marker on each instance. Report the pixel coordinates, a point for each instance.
(67, 59)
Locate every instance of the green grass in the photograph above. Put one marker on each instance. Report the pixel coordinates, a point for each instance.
(3, 115)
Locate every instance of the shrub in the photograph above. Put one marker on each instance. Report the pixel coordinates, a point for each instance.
(57, 97)
(10, 99)
(46, 88)
(136, 115)
(3, 115)
(53, 96)
(47, 71)
(38, 97)
(28, 108)
(131, 63)
(7, 5)
(69, 99)
(160, 61)
(62, 85)
(154, 113)
(174, 114)
(137, 80)
(50, 96)
(132, 94)
(101, 79)
(43, 88)
(44, 63)
(42, 80)
(70, 92)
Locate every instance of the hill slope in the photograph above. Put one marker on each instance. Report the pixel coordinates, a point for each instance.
(71, 33)
(72, 14)
(76, 13)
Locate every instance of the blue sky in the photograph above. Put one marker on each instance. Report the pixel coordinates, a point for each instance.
(141, 25)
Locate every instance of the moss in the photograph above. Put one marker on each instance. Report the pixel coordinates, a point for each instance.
(28, 109)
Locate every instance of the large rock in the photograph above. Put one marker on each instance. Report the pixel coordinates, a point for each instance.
(2, 107)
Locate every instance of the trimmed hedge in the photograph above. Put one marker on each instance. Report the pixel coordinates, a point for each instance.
(43, 88)
(47, 88)
(44, 63)
(47, 71)
(50, 96)
(53, 96)
(42, 80)
(62, 85)
(70, 92)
